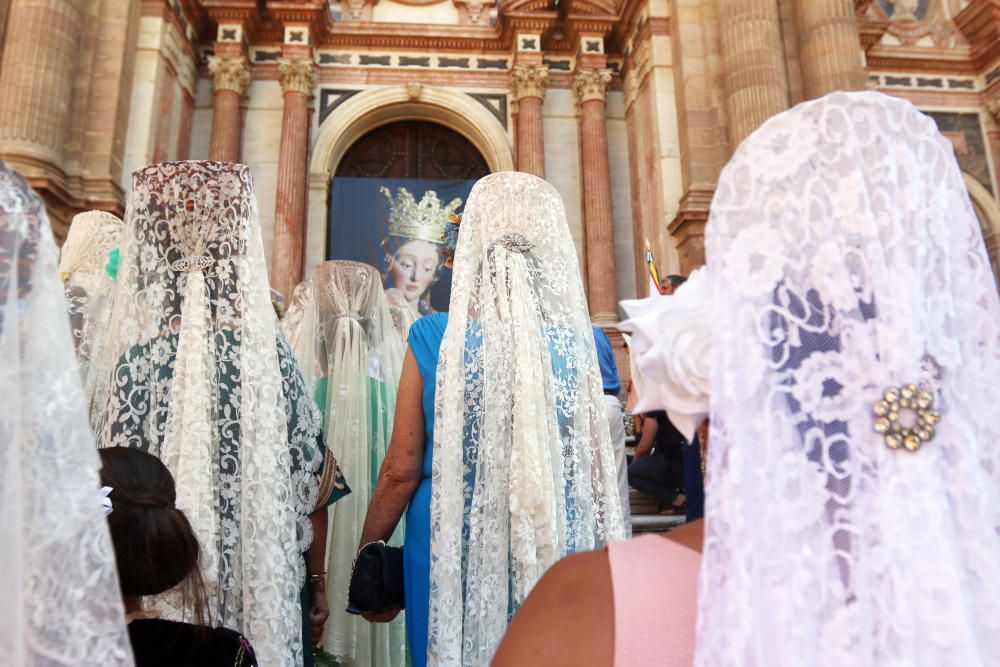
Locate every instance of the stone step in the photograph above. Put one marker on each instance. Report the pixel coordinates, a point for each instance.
(642, 503)
(654, 523)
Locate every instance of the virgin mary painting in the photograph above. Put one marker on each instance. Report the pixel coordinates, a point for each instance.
(416, 245)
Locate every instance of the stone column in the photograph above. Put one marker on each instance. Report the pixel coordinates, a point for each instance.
(829, 46)
(39, 62)
(298, 78)
(527, 87)
(754, 62)
(230, 78)
(590, 87)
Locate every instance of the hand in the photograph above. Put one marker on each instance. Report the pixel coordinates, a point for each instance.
(382, 616)
(318, 613)
(641, 452)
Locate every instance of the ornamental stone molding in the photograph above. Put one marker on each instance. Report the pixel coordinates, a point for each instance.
(591, 84)
(229, 73)
(635, 75)
(297, 75)
(993, 106)
(176, 50)
(528, 81)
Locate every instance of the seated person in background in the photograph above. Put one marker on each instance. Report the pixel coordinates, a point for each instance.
(156, 550)
(658, 464)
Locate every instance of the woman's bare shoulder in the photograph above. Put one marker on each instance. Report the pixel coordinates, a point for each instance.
(568, 619)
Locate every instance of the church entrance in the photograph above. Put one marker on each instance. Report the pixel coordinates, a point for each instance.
(393, 197)
(413, 149)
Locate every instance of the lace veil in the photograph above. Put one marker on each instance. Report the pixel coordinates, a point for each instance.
(292, 322)
(196, 371)
(523, 470)
(83, 263)
(402, 314)
(59, 583)
(352, 356)
(846, 260)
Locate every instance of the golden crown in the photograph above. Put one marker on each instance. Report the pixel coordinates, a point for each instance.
(424, 221)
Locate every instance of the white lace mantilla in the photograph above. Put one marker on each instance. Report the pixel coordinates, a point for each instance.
(61, 604)
(523, 470)
(846, 258)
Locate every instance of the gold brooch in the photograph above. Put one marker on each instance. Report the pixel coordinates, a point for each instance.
(916, 406)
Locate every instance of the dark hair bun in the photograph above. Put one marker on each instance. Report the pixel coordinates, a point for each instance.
(155, 546)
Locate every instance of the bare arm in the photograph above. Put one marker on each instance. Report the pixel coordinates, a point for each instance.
(319, 611)
(399, 475)
(568, 619)
(645, 446)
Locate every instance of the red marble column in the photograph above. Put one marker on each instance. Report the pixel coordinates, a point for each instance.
(590, 87)
(528, 89)
(231, 78)
(297, 78)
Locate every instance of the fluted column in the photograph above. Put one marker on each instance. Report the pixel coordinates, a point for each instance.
(829, 46)
(754, 61)
(39, 58)
(590, 87)
(230, 78)
(298, 78)
(527, 87)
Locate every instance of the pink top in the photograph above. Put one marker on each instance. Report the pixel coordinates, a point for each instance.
(655, 584)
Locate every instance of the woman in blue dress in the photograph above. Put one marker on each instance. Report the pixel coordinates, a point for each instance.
(501, 454)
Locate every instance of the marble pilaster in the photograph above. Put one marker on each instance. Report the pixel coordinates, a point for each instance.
(829, 46)
(590, 87)
(527, 87)
(298, 79)
(756, 79)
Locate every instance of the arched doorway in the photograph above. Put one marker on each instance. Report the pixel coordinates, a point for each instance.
(988, 212)
(413, 149)
(377, 107)
(391, 197)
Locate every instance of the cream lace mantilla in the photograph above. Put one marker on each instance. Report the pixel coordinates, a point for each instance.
(523, 469)
(197, 371)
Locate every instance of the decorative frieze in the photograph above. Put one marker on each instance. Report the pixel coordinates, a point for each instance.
(528, 81)
(591, 84)
(229, 73)
(297, 75)
(175, 48)
(993, 106)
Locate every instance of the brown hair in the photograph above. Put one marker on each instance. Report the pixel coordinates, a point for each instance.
(155, 546)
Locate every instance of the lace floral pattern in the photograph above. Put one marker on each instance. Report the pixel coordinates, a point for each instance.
(523, 470)
(197, 372)
(59, 583)
(857, 266)
(353, 356)
(83, 268)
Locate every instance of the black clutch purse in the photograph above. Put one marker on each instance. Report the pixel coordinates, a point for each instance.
(376, 580)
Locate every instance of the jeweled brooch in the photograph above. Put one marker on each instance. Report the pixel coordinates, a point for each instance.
(906, 417)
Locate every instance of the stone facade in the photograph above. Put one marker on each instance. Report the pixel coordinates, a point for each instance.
(629, 107)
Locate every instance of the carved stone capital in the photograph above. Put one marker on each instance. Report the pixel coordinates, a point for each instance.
(591, 84)
(993, 106)
(297, 75)
(528, 81)
(229, 73)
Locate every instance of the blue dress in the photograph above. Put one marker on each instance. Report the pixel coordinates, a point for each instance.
(425, 339)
